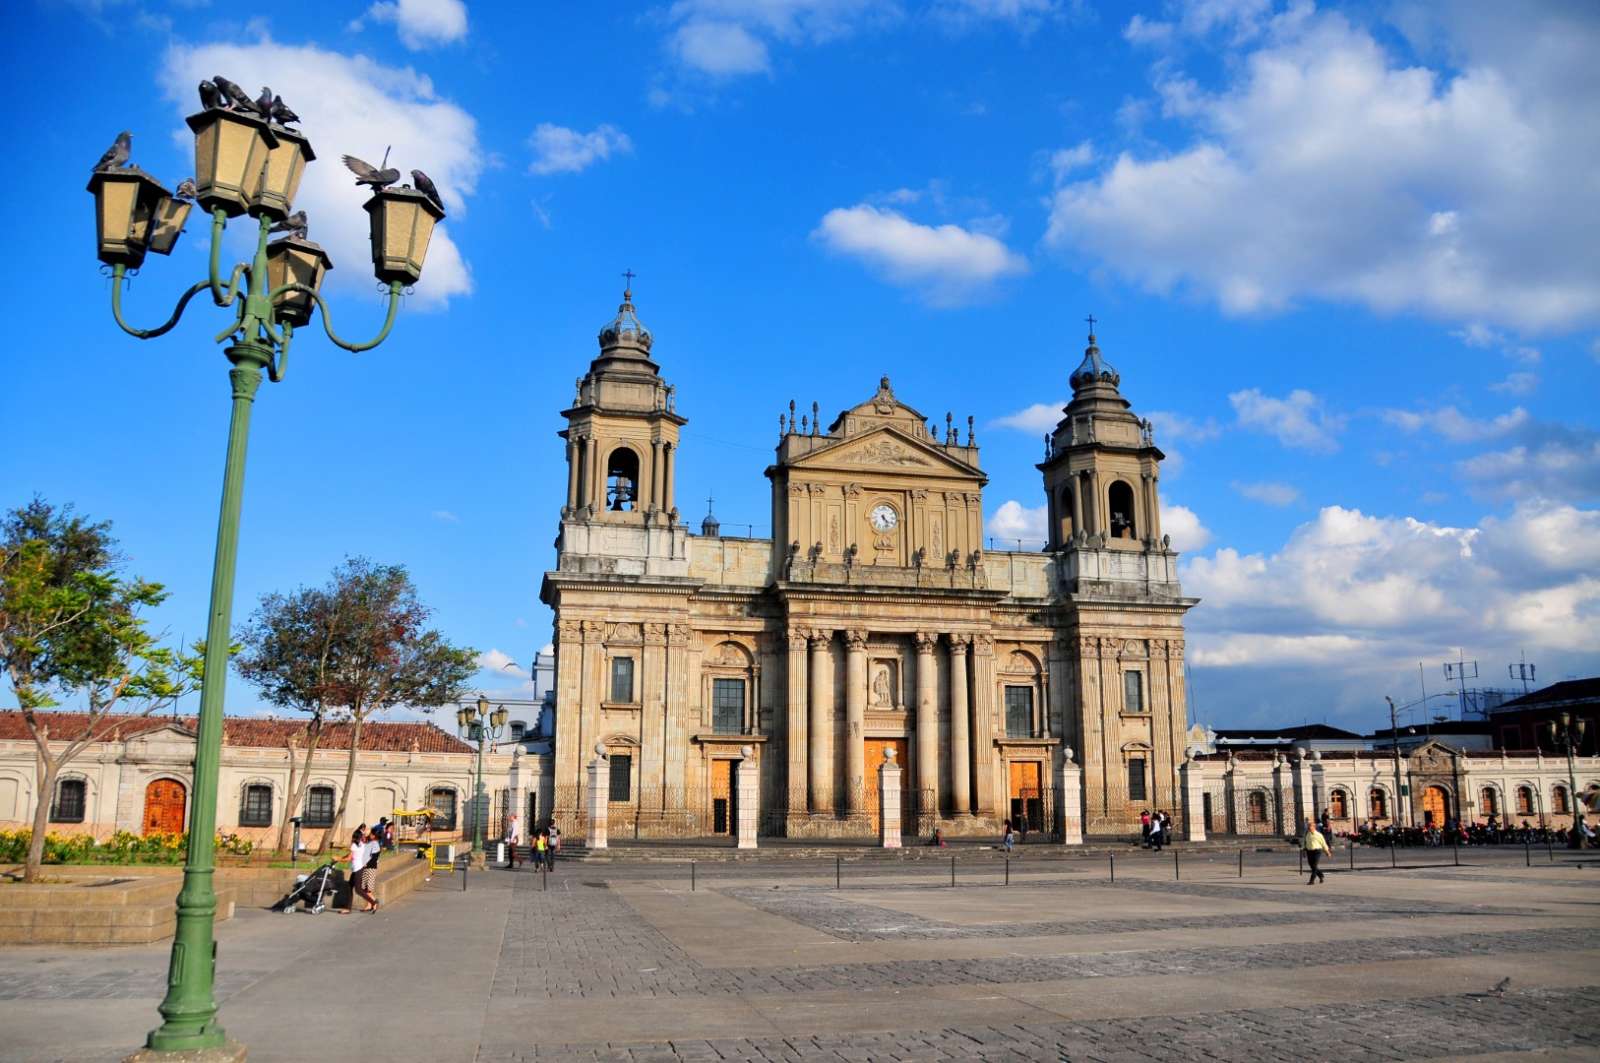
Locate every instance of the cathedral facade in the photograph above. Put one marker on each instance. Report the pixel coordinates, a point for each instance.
(872, 625)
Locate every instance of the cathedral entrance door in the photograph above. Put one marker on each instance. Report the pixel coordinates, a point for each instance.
(164, 801)
(877, 751)
(724, 797)
(1027, 800)
(1434, 804)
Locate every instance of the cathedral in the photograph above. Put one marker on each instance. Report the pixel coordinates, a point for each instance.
(872, 625)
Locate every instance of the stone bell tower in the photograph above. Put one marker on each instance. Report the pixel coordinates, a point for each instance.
(1101, 466)
(622, 432)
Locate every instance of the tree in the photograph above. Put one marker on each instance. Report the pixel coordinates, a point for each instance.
(354, 648)
(71, 629)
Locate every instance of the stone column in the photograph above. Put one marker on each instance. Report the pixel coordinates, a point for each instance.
(889, 801)
(1155, 506)
(1192, 781)
(1077, 505)
(667, 481)
(855, 708)
(927, 726)
(653, 501)
(794, 717)
(960, 749)
(599, 799)
(596, 477)
(572, 474)
(983, 723)
(1071, 799)
(820, 688)
(748, 781)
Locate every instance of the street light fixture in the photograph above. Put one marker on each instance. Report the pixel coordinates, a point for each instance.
(242, 165)
(1566, 732)
(479, 724)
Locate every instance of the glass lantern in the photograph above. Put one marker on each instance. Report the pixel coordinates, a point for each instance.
(286, 164)
(402, 224)
(230, 158)
(294, 260)
(167, 222)
(125, 200)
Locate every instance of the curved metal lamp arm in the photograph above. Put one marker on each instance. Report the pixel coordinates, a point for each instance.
(118, 273)
(280, 358)
(219, 221)
(395, 288)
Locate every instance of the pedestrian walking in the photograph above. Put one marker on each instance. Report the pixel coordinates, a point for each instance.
(1008, 838)
(513, 839)
(1158, 834)
(1315, 846)
(1166, 828)
(1144, 829)
(541, 850)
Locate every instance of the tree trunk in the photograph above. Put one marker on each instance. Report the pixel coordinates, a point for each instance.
(48, 770)
(297, 794)
(349, 781)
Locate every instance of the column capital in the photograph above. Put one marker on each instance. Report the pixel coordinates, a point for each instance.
(983, 644)
(819, 637)
(927, 641)
(959, 641)
(569, 630)
(796, 637)
(593, 631)
(856, 638)
(678, 634)
(655, 634)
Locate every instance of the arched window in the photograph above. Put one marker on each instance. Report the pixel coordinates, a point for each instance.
(1120, 502)
(1524, 800)
(1558, 801)
(1256, 807)
(1489, 801)
(1377, 804)
(1338, 806)
(622, 479)
(255, 809)
(319, 807)
(70, 802)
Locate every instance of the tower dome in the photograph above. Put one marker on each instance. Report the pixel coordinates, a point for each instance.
(625, 330)
(1093, 370)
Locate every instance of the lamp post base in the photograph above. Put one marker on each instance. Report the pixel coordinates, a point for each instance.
(230, 1052)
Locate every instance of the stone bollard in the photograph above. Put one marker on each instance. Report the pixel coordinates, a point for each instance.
(1192, 783)
(599, 798)
(1071, 800)
(748, 777)
(889, 801)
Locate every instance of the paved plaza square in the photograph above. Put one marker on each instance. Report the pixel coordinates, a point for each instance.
(766, 960)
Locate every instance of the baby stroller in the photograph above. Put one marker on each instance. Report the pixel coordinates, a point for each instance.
(313, 889)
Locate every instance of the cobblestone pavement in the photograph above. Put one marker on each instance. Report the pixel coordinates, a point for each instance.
(106, 984)
(1446, 1027)
(590, 942)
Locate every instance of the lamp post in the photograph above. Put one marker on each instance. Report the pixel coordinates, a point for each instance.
(478, 724)
(1566, 732)
(244, 165)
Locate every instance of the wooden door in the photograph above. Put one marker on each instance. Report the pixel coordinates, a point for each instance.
(164, 801)
(723, 797)
(1027, 801)
(877, 751)
(1434, 804)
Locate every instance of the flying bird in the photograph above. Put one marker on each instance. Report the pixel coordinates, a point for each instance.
(210, 95)
(367, 174)
(295, 224)
(425, 185)
(117, 154)
(186, 189)
(233, 95)
(281, 113)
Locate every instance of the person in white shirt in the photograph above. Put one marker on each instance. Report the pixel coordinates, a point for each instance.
(513, 839)
(362, 850)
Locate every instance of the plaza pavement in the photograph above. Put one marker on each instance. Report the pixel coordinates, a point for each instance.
(766, 961)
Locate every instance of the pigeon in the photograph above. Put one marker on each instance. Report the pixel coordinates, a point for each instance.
(186, 189)
(210, 95)
(425, 185)
(367, 174)
(1499, 989)
(263, 104)
(233, 96)
(281, 113)
(117, 154)
(294, 224)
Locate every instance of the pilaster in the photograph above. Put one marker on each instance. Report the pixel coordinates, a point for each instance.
(960, 723)
(983, 726)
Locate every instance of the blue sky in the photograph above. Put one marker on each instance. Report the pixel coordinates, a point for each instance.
(1345, 257)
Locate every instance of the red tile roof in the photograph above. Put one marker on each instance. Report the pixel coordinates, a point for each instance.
(249, 731)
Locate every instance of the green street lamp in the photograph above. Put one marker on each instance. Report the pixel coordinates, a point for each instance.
(1566, 732)
(243, 165)
(478, 724)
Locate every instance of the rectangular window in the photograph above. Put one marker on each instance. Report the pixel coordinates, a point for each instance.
(319, 807)
(1136, 790)
(621, 777)
(1019, 712)
(622, 680)
(443, 803)
(257, 810)
(1132, 691)
(727, 706)
(518, 729)
(69, 802)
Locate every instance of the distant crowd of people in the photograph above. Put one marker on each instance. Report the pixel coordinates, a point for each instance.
(542, 849)
(1454, 832)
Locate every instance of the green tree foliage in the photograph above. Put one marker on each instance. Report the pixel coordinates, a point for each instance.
(71, 630)
(349, 650)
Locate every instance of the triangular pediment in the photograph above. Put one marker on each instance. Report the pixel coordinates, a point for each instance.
(886, 449)
(165, 734)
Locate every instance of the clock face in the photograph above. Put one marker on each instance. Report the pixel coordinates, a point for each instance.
(884, 518)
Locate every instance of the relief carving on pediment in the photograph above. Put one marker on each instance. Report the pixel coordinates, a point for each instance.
(883, 452)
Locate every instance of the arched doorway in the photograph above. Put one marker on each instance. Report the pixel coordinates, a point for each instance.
(1435, 803)
(164, 801)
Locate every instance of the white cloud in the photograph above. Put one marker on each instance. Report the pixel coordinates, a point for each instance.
(721, 49)
(1182, 428)
(1477, 334)
(731, 38)
(351, 104)
(1182, 525)
(557, 149)
(1269, 493)
(1296, 420)
(946, 264)
(1451, 424)
(1025, 14)
(1039, 417)
(1517, 384)
(1063, 161)
(1324, 165)
(446, 517)
(501, 663)
(1551, 462)
(1013, 520)
(422, 23)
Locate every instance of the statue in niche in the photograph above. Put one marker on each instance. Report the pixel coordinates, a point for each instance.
(882, 688)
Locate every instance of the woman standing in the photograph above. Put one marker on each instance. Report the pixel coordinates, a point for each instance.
(361, 851)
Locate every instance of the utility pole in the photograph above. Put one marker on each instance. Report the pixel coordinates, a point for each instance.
(1394, 742)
